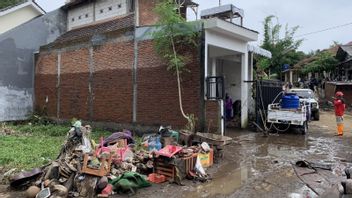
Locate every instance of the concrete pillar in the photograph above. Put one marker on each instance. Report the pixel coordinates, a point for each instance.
(58, 85)
(244, 90)
(213, 66)
(291, 76)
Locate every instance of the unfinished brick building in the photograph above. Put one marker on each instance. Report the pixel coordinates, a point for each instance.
(105, 68)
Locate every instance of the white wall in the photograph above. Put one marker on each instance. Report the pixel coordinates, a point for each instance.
(232, 75)
(110, 8)
(96, 11)
(16, 18)
(80, 16)
(15, 104)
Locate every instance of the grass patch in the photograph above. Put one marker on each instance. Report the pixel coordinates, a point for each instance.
(34, 145)
(28, 152)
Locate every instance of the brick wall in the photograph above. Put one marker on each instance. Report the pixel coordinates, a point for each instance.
(157, 89)
(112, 82)
(45, 83)
(74, 84)
(212, 114)
(112, 90)
(146, 13)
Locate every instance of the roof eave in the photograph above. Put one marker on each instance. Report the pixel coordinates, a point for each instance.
(23, 5)
(230, 29)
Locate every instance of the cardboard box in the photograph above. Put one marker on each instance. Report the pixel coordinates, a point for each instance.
(206, 159)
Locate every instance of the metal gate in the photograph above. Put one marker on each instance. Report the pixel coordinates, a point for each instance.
(266, 91)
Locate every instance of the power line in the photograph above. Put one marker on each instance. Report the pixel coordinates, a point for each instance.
(319, 31)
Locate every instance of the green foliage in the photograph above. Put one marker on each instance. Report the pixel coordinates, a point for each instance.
(325, 61)
(8, 3)
(33, 145)
(283, 49)
(173, 36)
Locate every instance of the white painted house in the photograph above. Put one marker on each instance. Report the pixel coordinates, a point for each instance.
(228, 55)
(14, 16)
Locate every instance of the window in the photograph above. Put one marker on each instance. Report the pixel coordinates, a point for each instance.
(73, 19)
(131, 5)
(119, 5)
(87, 15)
(215, 88)
(101, 11)
(110, 8)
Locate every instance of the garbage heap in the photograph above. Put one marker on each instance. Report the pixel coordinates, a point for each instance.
(117, 164)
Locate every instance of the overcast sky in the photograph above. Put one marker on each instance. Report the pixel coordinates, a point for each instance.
(310, 15)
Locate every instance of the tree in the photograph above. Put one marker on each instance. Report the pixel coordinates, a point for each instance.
(8, 3)
(283, 50)
(174, 35)
(324, 61)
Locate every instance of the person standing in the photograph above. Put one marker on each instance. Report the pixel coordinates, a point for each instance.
(340, 106)
(228, 106)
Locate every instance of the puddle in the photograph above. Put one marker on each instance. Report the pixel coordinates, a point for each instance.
(304, 192)
(226, 181)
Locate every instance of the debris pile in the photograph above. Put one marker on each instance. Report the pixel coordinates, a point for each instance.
(117, 164)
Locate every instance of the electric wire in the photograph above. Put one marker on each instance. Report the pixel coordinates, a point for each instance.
(323, 30)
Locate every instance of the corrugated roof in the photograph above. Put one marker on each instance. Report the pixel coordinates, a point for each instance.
(343, 52)
(302, 63)
(347, 49)
(89, 31)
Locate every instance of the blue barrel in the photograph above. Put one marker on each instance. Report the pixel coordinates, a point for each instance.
(290, 101)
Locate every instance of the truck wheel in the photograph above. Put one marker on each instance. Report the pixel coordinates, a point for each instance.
(304, 128)
(316, 115)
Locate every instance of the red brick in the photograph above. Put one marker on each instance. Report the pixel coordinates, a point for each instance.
(157, 89)
(147, 16)
(45, 83)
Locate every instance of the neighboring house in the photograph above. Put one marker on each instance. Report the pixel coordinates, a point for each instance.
(105, 67)
(16, 15)
(292, 73)
(17, 53)
(344, 68)
(343, 74)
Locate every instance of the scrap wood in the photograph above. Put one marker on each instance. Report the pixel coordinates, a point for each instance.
(317, 177)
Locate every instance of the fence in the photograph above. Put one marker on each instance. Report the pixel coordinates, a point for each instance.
(265, 93)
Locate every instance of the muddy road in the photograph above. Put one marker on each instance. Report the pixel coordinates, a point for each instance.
(257, 166)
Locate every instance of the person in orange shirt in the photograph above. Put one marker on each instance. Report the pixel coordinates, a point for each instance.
(340, 107)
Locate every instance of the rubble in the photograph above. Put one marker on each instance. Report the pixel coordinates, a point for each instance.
(117, 165)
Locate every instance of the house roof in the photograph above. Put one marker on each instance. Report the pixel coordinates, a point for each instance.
(343, 52)
(308, 60)
(259, 51)
(87, 32)
(20, 5)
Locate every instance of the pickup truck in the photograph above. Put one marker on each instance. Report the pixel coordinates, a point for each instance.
(307, 96)
(288, 117)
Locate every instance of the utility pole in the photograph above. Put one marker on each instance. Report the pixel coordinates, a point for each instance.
(219, 2)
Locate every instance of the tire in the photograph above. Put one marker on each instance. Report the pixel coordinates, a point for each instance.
(316, 115)
(304, 128)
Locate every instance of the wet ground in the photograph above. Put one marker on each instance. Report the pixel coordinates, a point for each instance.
(257, 166)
